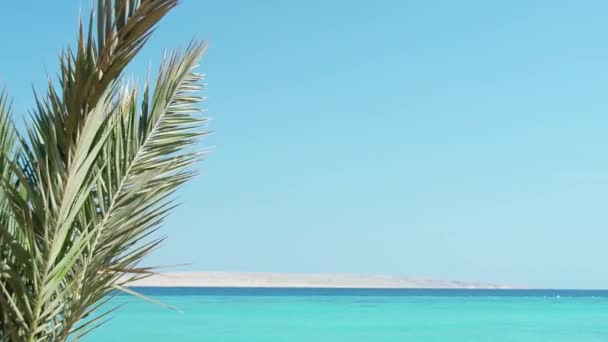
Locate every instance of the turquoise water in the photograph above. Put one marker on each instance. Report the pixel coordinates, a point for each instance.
(359, 315)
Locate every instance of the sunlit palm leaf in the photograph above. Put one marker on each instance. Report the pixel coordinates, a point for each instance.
(93, 176)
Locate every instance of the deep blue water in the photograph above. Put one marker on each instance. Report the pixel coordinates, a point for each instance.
(273, 291)
(358, 315)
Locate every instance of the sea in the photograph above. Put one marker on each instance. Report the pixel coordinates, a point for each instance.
(317, 314)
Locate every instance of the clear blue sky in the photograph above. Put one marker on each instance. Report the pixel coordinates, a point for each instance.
(445, 139)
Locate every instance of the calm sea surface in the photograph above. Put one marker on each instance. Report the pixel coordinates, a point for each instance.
(262, 314)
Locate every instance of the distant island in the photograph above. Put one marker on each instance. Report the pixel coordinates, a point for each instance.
(255, 279)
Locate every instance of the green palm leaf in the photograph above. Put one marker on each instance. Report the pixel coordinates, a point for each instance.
(93, 175)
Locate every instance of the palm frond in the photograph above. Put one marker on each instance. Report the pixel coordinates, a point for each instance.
(94, 175)
(12, 252)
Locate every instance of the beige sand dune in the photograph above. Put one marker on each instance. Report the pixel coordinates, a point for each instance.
(241, 279)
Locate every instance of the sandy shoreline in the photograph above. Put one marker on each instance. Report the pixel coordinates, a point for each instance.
(244, 279)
